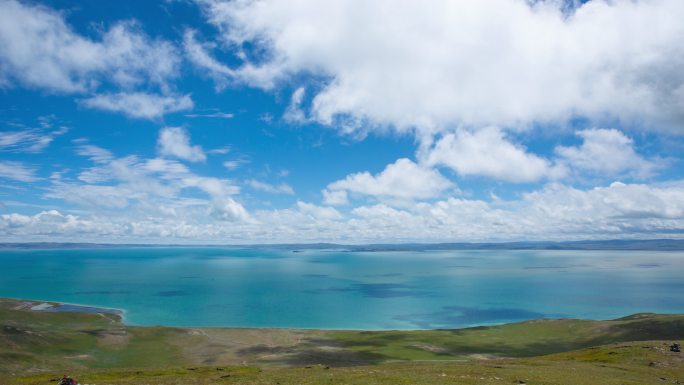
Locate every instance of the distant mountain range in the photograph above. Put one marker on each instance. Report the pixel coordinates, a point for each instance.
(615, 244)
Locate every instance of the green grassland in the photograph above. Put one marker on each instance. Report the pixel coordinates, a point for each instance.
(97, 348)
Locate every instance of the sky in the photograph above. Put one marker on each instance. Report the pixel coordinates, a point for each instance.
(348, 121)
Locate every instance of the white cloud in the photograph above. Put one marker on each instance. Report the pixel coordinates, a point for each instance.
(335, 198)
(450, 219)
(282, 188)
(14, 220)
(217, 115)
(95, 153)
(555, 212)
(154, 187)
(462, 76)
(234, 164)
(53, 224)
(17, 171)
(140, 104)
(618, 201)
(447, 63)
(606, 152)
(486, 152)
(294, 113)
(39, 49)
(219, 151)
(96, 196)
(229, 210)
(215, 187)
(402, 179)
(318, 212)
(29, 140)
(198, 55)
(174, 141)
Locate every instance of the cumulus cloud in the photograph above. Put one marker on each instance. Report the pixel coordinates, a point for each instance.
(554, 212)
(39, 49)
(468, 79)
(616, 207)
(450, 219)
(17, 171)
(228, 209)
(606, 152)
(318, 212)
(175, 142)
(487, 152)
(445, 63)
(402, 179)
(140, 105)
(335, 198)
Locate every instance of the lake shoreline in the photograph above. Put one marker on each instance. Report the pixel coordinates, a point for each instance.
(63, 307)
(41, 346)
(34, 305)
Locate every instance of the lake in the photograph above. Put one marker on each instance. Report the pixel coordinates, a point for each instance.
(337, 289)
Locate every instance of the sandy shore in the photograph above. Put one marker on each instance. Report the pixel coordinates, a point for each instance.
(65, 307)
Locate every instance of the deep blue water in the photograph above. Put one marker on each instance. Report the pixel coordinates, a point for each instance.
(348, 290)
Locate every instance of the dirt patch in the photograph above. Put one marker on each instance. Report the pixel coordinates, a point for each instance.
(114, 339)
(80, 357)
(430, 348)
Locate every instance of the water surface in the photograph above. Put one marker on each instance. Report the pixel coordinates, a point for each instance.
(334, 289)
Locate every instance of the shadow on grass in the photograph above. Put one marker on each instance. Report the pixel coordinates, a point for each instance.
(312, 352)
(265, 349)
(338, 358)
(461, 342)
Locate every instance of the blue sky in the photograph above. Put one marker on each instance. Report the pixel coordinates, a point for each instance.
(345, 121)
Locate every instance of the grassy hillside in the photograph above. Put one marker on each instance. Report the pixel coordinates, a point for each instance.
(37, 346)
(627, 364)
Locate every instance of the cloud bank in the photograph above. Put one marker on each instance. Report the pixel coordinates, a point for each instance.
(476, 85)
(443, 64)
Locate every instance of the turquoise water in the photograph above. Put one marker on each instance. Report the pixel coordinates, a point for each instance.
(348, 290)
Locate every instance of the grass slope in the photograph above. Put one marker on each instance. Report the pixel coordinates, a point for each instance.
(625, 364)
(35, 347)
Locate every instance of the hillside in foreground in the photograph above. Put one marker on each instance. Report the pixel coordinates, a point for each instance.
(38, 345)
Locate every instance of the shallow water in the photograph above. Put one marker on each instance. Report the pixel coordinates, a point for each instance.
(348, 290)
